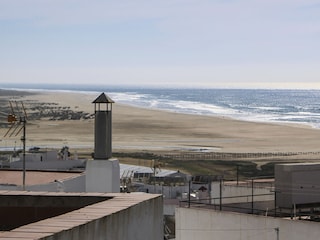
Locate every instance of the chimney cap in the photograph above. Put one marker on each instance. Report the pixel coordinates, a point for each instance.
(103, 98)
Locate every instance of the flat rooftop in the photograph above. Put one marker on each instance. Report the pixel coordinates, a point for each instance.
(14, 177)
(72, 210)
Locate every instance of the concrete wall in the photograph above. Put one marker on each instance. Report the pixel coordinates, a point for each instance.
(166, 191)
(50, 165)
(134, 216)
(103, 176)
(143, 221)
(17, 210)
(237, 191)
(297, 184)
(76, 184)
(41, 156)
(204, 224)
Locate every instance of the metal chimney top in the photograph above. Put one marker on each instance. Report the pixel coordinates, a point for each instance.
(103, 98)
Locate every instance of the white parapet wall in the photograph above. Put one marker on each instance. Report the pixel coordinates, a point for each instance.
(41, 156)
(103, 176)
(239, 194)
(205, 224)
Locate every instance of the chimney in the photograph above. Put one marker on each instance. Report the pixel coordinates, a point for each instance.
(103, 127)
(103, 172)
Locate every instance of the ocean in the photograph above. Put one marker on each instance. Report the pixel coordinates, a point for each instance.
(258, 105)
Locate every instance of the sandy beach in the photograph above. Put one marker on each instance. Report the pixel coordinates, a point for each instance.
(139, 129)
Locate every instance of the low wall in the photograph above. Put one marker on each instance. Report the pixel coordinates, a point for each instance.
(134, 216)
(50, 165)
(204, 224)
(237, 194)
(75, 184)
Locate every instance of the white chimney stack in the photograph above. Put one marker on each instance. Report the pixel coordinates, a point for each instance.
(103, 172)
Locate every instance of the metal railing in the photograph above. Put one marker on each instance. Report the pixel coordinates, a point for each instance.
(210, 203)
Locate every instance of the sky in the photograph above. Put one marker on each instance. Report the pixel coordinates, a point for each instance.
(178, 43)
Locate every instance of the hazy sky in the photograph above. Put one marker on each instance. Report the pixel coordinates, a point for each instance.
(214, 43)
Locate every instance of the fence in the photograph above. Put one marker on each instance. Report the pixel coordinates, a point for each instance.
(223, 156)
(250, 205)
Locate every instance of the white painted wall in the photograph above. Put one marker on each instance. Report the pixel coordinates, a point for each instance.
(236, 191)
(103, 176)
(205, 224)
(51, 155)
(76, 184)
(49, 165)
(297, 183)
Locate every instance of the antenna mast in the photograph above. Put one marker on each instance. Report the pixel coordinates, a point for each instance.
(18, 123)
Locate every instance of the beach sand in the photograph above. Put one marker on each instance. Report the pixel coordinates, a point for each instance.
(139, 129)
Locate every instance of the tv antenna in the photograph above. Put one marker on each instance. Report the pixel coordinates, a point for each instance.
(17, 120)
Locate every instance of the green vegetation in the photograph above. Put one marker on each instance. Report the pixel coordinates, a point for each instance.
(229, 169)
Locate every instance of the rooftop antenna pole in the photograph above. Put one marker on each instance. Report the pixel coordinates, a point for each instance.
(15, 124)
(23, 139)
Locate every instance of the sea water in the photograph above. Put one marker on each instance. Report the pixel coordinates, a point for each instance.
(258, 105)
